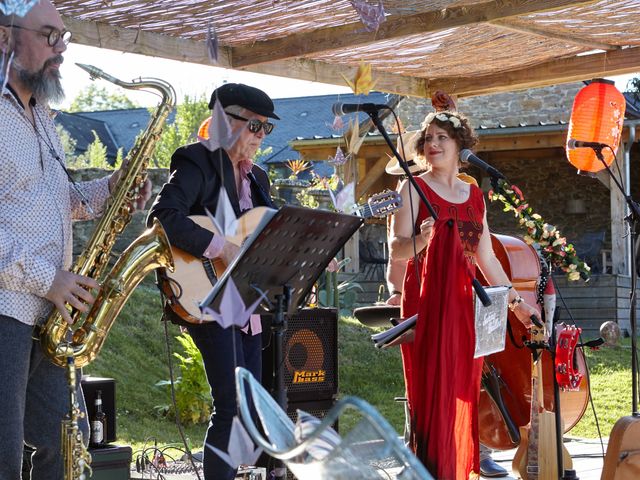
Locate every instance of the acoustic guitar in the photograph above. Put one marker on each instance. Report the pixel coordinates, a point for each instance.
(194, 277)
(536, 456)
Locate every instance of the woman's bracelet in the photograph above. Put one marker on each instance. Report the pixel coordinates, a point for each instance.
(396, 292)
(515, 302)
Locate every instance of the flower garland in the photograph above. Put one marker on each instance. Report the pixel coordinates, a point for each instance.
(554, 248)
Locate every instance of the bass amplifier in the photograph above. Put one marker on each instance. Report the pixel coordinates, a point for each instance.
(310, 355)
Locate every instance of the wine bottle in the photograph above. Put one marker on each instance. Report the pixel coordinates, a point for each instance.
(98, 423)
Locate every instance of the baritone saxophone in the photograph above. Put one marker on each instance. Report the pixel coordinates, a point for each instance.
(84, 339)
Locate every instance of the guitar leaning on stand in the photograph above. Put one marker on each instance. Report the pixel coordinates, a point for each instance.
(193, 277)
(536, 457)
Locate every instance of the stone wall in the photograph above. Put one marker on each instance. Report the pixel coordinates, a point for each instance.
(551, 185)
(530, 107)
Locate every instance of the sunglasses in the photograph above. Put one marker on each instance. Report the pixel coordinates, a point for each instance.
(53, 37)
(254, 124)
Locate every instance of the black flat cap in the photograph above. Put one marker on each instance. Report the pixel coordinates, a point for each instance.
(245, 96)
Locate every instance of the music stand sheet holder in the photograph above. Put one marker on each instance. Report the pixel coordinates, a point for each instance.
(282, 262)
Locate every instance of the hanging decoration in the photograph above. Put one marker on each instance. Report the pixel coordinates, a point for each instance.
(233, 311)
(363, 82)
(339, 158)
(597, 116)
(5, 66)
(17, 7)
(344, 198)
(224, 220)
(215, 132)
(212, 43)
(240, 450)
(371, 16)
(354, 142)
(553, 246)
(338, 124)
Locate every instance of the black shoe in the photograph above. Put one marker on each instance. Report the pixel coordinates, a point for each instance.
(489, 468)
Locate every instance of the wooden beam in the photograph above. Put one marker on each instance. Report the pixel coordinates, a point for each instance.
(352, 35)
(574, 69)
(103, 35)
(371, 176)
(516, 27)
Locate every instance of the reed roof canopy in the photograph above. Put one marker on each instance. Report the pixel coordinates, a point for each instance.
(464, 47)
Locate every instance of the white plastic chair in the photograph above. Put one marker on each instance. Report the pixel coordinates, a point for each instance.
(372, 449)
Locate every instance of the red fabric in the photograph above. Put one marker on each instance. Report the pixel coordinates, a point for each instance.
(444, 378)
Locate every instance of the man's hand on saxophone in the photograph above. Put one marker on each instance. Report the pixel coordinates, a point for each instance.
(144, 193)
(71, 289)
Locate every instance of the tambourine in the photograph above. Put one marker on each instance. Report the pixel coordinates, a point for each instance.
(566, 374)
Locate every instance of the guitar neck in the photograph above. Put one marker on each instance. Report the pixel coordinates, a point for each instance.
(363, 211)
(534, 431)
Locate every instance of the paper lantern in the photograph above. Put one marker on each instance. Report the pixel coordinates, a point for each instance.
(597, 116)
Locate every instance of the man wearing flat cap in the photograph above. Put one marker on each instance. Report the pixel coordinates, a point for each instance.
(197, 175)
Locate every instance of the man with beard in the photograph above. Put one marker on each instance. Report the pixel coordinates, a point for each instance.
(37, 204)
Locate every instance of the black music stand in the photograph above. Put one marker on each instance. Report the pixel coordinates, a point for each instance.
(282, 262)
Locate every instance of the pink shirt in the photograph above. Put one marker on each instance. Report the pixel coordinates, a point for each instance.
(217, 242)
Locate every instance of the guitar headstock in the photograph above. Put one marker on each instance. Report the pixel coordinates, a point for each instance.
(384, 203)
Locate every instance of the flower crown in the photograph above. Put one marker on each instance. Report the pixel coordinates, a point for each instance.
(443, 117)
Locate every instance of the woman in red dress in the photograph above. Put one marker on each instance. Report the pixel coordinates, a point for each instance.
(444, 387)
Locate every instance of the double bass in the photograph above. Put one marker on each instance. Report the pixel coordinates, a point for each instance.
(507, 374)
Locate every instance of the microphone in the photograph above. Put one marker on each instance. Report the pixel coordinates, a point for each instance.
(344, 108)
(573, 143)
(467, 156)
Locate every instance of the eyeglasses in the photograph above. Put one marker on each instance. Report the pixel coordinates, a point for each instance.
(53, 37)
(254, 124)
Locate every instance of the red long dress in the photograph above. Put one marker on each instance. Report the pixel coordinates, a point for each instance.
(444, 379)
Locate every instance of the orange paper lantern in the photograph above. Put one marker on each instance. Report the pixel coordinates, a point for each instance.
(597, 116)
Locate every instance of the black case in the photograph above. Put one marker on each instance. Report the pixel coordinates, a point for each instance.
(90, 385)
(112, 462)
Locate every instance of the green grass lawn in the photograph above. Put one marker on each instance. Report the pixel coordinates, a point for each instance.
(135, 356)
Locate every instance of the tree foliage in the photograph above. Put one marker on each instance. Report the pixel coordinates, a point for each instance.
(94, 98)
(94, 157)
(189, 115)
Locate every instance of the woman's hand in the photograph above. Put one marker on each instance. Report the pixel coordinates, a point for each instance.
(523, 312)
(395, 299)
(425, 229)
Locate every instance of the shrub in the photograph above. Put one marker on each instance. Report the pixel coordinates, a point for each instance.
(192, 391)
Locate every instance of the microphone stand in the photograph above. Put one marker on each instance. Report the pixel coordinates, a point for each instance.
(633, 219)
(482, 295)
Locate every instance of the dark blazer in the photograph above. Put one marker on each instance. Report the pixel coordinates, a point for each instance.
(196, 176)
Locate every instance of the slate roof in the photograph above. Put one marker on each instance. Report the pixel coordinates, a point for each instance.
(307, 117)
(81, 129)
(303, 118)
(126, 124)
